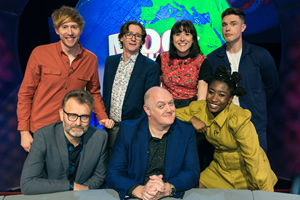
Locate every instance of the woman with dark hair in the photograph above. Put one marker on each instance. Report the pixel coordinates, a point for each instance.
(180, 67)
(239, 162)
(183, 70)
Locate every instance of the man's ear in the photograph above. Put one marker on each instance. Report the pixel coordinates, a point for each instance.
(56, 31)
(61, 114)
(244, 26)
(147, 110)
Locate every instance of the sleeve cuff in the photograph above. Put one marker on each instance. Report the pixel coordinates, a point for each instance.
(71, 187)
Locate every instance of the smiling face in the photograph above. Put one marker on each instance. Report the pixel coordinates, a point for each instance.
(182, 42)
(160, 107)
(232, 28)
(132, 45)
(69, 34)
(218, 97)
(77, 128)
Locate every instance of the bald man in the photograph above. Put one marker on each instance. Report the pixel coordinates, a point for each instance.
(154, 156)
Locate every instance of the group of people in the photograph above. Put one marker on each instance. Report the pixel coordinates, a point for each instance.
(145, 151)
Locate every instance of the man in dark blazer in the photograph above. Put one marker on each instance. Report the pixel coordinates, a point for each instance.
(256, 65)
(127, 77)
(156, 155)
(67, 155)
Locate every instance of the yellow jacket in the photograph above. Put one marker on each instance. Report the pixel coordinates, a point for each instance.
(239, 161)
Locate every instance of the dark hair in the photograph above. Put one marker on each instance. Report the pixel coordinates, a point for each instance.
(234, 11)
(232, 80)
(83, 97)
(188, 27)
(125, 28)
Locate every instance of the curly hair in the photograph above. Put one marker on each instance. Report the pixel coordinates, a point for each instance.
(232, 80)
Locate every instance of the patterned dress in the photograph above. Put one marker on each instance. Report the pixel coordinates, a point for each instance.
(180, 76)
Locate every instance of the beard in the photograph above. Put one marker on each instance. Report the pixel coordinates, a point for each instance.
(76, 133)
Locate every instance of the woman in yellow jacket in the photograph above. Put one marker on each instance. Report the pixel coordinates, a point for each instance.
(239, 162)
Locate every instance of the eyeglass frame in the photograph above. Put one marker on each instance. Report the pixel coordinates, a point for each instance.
(130, 35)
(68, 114)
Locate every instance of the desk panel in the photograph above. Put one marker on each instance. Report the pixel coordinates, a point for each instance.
(193, 194)
(217, 194)
(262, 195)
(107, 194)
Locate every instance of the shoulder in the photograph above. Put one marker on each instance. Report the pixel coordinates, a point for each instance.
(179, 125)
(164, 54)
(146, 60)
(200, 56)
(197, 105)
(217, 51)
(114, 57)
(98, 132)
(257, 50)
(49, 131)
(89, 53)
(238, 116)
(44, 48)
(132, 123)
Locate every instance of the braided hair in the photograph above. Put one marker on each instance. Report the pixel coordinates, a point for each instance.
(232, 80)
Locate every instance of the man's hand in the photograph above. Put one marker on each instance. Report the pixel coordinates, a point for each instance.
(199, 125)
(78, 187)
(154, 189)
(26, 140)
(107, 123)
(149, 191)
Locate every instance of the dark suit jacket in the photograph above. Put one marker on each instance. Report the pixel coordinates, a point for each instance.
(259, 78)
(145, 75)
(46, 168)
(128, 163)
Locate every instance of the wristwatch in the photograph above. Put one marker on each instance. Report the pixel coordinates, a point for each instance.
(173, 190)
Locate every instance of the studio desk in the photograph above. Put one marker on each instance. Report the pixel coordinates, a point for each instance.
(193, 194)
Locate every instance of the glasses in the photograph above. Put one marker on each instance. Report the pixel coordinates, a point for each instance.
(129, 35)
(73, 117)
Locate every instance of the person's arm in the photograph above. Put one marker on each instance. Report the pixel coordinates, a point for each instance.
(158, 60)
(184, 114)
(97, 180)
(26, 140)
(192, 114)
(205, 71)
(202, 90)
(153, 76)
(190, 171)
(247, 139)
(25, 98)
(32, 177)
(269, 73)
(117, 174)
(93, 87)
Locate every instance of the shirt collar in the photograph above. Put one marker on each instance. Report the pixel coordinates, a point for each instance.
(131, 58)
(70, 144)
(59, 48)
(220, 118)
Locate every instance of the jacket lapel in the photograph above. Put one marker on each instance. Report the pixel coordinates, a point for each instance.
(86, 154)
(62, 147)
(110, 80)
(137, 70)
(172, 148)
